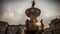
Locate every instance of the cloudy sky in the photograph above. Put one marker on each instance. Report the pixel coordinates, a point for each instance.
(13, 11)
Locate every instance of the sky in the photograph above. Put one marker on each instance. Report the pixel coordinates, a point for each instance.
(13, 11)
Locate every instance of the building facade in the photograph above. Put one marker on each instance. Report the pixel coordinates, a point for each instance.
(5, 28)
(55, 26)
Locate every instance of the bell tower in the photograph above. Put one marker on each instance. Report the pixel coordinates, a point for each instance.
(32, 25)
